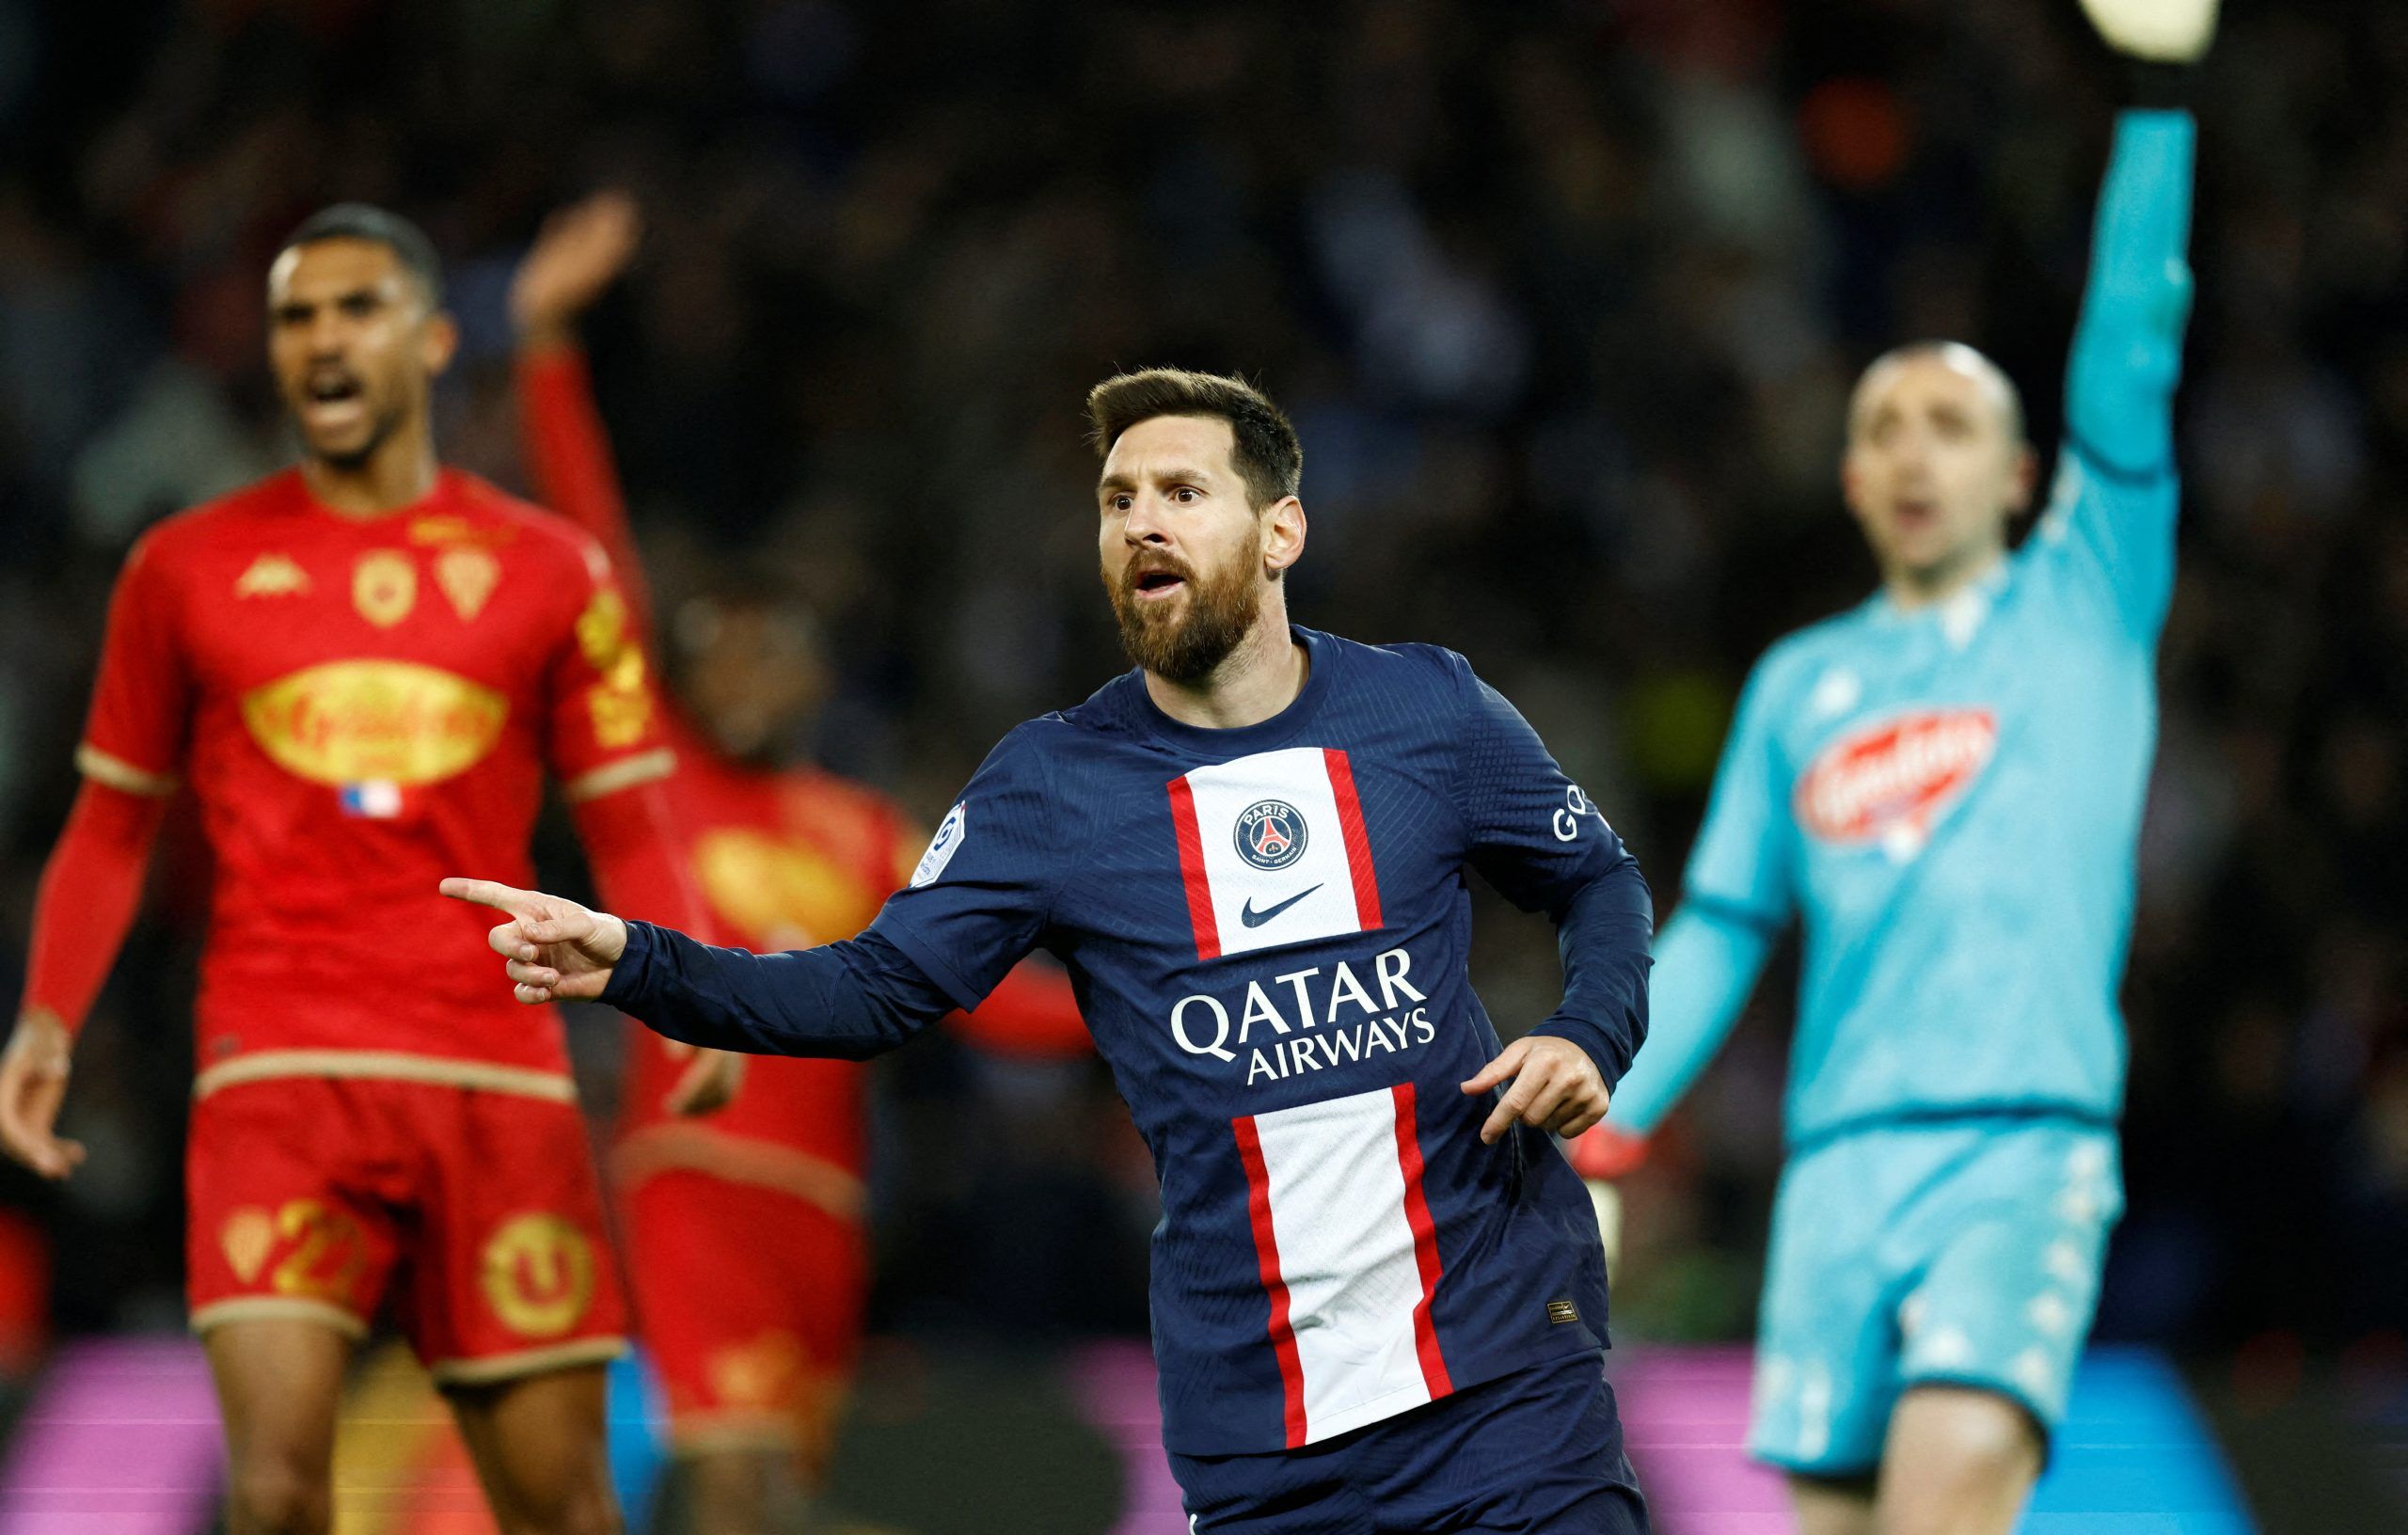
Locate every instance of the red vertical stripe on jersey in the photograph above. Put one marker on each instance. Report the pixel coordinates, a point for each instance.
(1358, 841)
(1266, 1251)
(1425, 1244)
(1191, 870)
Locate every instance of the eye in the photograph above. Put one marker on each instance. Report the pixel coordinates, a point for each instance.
(1187, 495)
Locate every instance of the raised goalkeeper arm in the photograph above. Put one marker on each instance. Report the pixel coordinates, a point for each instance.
(2116, 498)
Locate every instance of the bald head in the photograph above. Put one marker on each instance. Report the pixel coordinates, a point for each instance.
(1936, 465)
(1873, 385)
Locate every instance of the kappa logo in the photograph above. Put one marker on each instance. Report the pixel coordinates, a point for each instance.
(272, 575)
(1891, 782)
(1270, 836)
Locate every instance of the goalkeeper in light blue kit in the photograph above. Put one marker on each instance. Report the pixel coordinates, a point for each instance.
(1944, 787)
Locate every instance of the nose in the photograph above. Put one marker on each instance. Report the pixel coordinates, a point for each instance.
(1144, 523)
(1911, 452)
(326, 333)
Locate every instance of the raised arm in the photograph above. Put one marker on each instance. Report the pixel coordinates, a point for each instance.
(582, 249)
(2116, 497)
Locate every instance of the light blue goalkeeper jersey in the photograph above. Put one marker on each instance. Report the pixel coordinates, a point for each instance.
(1949, 799)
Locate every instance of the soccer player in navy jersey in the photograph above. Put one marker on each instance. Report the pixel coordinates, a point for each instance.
(1379, 1300)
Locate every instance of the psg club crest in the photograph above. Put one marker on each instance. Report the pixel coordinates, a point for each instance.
(1270, 834)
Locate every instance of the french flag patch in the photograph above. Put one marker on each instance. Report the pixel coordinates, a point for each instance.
(376, 799)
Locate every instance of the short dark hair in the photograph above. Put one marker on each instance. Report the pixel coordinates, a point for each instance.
(364, 221)
(1269, 457)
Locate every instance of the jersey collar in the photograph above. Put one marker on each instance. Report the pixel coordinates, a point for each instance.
(1321, 651)
(1958, 616)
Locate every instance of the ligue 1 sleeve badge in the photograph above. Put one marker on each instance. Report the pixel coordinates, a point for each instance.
(1270, 834)
(942, 846)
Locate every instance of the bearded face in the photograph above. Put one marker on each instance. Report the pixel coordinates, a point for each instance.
(353, 344)
(1178, 622)
(1186, 557)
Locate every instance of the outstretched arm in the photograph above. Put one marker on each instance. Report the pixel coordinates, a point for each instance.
(850, 1000)
(943, 942)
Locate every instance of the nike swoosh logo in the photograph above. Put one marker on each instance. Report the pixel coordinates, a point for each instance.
(1252, 918)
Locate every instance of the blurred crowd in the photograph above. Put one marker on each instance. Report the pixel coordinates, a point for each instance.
(1565, 298)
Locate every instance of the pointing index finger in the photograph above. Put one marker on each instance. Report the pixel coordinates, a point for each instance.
(502, 897)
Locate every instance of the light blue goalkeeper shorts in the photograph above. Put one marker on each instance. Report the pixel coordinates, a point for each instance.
(1959, 1251)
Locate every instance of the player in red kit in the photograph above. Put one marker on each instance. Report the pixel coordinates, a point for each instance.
(745, 1234)
(363, 666)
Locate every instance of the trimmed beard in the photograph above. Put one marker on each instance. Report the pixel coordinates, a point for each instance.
(1186, 648)
(352, 461)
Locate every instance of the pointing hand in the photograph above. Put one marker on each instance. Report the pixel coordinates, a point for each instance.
(555, 948)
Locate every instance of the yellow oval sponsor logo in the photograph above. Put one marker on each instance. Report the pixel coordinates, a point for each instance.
(777, 892)
(345, 721)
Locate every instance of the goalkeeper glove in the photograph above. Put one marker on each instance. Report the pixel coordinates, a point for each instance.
(2155, 31)
(1601, 1155)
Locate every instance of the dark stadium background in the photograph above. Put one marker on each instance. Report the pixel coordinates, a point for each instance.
(1564, 297)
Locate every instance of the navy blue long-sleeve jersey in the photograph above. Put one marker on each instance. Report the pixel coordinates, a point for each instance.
(1267, 929)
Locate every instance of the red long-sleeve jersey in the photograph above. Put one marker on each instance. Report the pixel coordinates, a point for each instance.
(362, 705)
(781, 859)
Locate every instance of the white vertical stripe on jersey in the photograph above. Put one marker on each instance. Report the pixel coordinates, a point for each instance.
(1299, 777)
(1338, 1208)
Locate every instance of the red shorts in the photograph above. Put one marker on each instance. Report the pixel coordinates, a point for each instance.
(752, 1304)
(477, 1211)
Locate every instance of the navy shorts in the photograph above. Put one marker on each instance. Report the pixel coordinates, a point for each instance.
(1536, 1452)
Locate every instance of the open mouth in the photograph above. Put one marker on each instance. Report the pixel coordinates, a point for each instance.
(1155, 585)
(1915, 514)
(332, 397)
